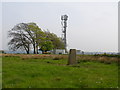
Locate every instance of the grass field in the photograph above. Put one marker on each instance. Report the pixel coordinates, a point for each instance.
(29, 71)
(0, 72)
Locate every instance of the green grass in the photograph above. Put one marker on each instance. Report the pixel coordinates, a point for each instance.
(0, 72)
(48, 73)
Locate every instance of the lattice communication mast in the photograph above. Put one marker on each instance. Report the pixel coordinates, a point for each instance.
(64, 26)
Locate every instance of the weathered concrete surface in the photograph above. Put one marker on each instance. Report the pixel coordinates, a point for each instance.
(72, 57)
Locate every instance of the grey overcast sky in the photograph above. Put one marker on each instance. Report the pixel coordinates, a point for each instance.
(92, 26)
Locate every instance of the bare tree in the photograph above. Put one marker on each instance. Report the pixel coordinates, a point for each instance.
(19, 39)
(24, 35)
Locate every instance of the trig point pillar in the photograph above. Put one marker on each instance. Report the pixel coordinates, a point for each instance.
(72, 57)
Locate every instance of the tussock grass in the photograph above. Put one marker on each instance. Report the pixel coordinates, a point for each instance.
(37, 56)
(80, 58)
(102, 59)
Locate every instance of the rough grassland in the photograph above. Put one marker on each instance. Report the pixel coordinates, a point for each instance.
(24, 72)
(0, 72)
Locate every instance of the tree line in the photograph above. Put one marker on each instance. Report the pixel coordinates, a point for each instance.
(27, 36)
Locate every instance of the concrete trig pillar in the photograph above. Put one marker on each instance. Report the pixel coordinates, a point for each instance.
(72, 57)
